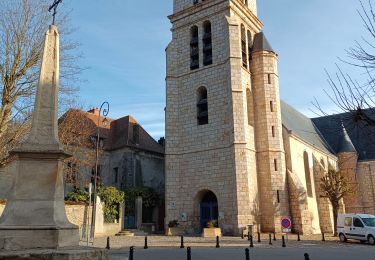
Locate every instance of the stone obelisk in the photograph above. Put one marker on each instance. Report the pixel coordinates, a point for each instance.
(35, 216)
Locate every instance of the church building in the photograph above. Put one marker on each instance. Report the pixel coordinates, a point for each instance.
(235, 153)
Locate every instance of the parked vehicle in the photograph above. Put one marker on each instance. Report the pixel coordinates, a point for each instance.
(356, 226)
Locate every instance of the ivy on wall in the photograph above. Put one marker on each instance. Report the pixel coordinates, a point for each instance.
(110, 196)
(112, 199)
(150, 198)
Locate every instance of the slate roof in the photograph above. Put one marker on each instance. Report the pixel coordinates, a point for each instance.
(303, 127)
(261, 43)
(361, 134)
(345, 143)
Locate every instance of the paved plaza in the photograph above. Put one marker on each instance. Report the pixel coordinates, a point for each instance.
(167, 248)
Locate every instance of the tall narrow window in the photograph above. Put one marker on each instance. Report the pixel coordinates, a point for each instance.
(250, 107)
(202, 106)
(269, 78)
(322, 166)
(194, 48)
(307, 174)
(273, 131)
(207, 44)
(243, 46)
(275, 164)
(271, 106)
(249, 46)
(115, 175)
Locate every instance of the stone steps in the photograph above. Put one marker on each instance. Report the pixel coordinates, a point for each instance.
(125, 233)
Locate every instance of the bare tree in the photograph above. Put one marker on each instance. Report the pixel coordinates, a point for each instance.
(23, 24)
(353, 96)
(335, 187)
(75, 133)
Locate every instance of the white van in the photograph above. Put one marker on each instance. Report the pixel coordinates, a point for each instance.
(356, 226)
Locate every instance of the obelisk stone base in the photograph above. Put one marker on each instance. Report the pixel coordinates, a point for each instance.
(16, 239)
(79, 253)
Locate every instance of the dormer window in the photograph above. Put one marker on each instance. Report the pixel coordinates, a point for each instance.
(136, 134)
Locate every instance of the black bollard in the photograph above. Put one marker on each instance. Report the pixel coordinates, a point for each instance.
(298, 237)
(188, 251)
(274, 236)
(131, 253)
(242, 235)
(270, 240)
(251, 241)
(146, 246)
(307, 257)
(247, 253)
(283, 243)
(182, 242)
(323, 237)
(108, 244)
(248, 235)
(217, 242)
(259, 241)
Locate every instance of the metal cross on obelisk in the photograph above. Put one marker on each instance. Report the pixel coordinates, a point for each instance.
(54, 7)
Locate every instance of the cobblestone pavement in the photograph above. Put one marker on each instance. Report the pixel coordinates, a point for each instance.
(315, 253)
(225, 242)
(233, 248)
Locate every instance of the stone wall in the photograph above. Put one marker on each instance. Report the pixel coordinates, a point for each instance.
(311, 214)
(366, 180)
(77, 214)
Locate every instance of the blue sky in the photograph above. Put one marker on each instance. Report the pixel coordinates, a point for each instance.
(123, 43)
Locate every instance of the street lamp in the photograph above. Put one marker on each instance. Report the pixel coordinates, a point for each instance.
(103, 111)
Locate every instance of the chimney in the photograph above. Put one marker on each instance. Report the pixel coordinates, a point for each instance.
(94, 111)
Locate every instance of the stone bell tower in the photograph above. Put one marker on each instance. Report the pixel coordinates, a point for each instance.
(211, 118)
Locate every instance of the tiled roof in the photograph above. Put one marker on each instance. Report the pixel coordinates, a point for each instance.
(120, 133)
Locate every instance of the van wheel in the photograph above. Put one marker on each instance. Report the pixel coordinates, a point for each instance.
(342, 238)
(371, 240)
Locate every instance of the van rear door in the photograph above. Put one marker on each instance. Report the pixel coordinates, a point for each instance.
(348, 221)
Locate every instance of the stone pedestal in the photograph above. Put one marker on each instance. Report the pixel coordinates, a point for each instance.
(35, 216)
(63, 254)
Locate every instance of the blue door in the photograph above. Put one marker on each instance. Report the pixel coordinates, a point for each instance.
(208, 209)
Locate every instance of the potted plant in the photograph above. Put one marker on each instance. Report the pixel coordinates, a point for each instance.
(174, 229)
(212, 229)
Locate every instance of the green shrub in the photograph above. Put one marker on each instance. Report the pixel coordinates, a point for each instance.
(173, 223)
(150, 198)
(112, 199)
(77, 196)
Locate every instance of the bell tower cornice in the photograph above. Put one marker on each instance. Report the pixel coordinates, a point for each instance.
(235, 6)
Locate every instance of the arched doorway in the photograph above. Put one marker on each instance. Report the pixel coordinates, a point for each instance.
(208, 208)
